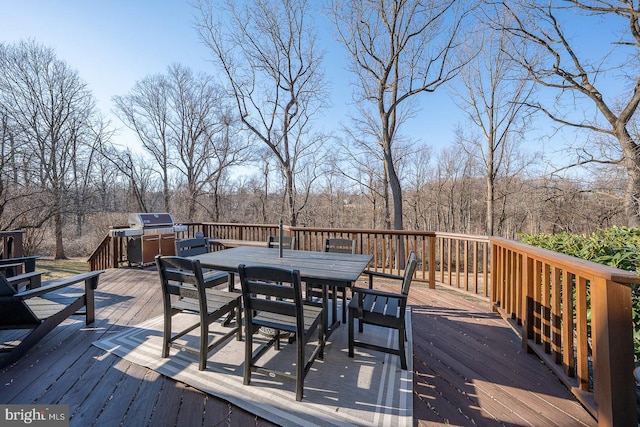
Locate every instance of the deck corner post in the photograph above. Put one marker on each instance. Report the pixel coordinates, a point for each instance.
(614, 385)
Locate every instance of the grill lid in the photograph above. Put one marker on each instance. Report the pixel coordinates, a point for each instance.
(150, 220)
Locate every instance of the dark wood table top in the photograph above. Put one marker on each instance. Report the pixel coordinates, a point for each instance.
(320, 266)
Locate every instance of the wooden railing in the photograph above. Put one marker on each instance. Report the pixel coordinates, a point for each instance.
(464, 262)
(387, 247)
(575, 315)
(459, 261)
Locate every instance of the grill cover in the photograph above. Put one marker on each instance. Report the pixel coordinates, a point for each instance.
(150, 220)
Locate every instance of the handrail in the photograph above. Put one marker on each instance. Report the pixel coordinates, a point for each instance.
(576, 315)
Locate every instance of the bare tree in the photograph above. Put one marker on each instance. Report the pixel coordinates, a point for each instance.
(418, 202)
(556, 60)
(137, 173)
(365, 166)
(493, 92)
(228, 150)
(145, 110)
(266, 50)
(179, 120)
(19, 197)
(398, 49)
(51, 107)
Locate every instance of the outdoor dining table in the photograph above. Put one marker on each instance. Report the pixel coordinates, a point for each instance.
(327, 268)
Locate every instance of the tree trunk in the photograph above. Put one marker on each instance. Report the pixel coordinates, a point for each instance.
(291, 201)
(165, 193)
(490, 200)
(632, 197)
(58, 234)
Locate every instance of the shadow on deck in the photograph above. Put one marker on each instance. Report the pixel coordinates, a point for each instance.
(470, 368)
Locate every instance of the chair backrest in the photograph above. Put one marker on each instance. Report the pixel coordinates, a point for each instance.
(6, 289)
(345, 246)
(191, 247)
(183, 277)
(14, 313)
(272, 290)
(288, 242)
(409, 269)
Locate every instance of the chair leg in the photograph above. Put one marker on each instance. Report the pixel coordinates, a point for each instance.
(401, 348)
(300, 370)
(239, 321)
(204, 342)
(351, 326)
(248, 353)
(321, 338)
(166, 335)
(344, 305)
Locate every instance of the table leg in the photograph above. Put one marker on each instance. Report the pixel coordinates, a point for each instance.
(334, 310)
(232, 288)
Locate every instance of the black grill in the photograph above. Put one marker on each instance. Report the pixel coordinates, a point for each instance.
(148, 235)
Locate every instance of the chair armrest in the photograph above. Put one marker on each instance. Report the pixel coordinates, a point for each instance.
(373, 274)
(376, 292)
(34, 278)
(28, 261)
(90, 279)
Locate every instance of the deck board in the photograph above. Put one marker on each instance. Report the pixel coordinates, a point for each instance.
(469, 368)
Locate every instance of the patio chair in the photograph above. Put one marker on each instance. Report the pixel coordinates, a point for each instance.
(288, 242)
(43, 308)
(183, 278)
(18, 265)
(20, 272)
(197, 246)
(314, 290)
(383, 309)
(272, 298)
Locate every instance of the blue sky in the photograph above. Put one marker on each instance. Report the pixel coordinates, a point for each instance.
(114, 43)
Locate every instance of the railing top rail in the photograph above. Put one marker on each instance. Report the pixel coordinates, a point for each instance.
(460, 236)
(230, 224)
(573, 264)
(363, 231)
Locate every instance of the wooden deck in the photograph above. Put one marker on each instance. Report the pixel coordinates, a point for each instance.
(469, 366)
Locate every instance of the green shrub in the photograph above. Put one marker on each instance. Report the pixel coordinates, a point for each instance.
(616, 246)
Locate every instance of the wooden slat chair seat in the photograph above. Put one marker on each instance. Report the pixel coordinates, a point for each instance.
(183, 278)
(197, 246)
(313, 291)
(385, 309)
(43, 308)
(272, 298)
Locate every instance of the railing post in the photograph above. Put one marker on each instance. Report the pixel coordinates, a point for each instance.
(614, 385)
(432, 262)
(493, 294)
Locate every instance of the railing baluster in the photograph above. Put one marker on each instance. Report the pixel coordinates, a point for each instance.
(582, 334)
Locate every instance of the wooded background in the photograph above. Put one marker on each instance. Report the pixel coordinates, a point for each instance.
(246, 143)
